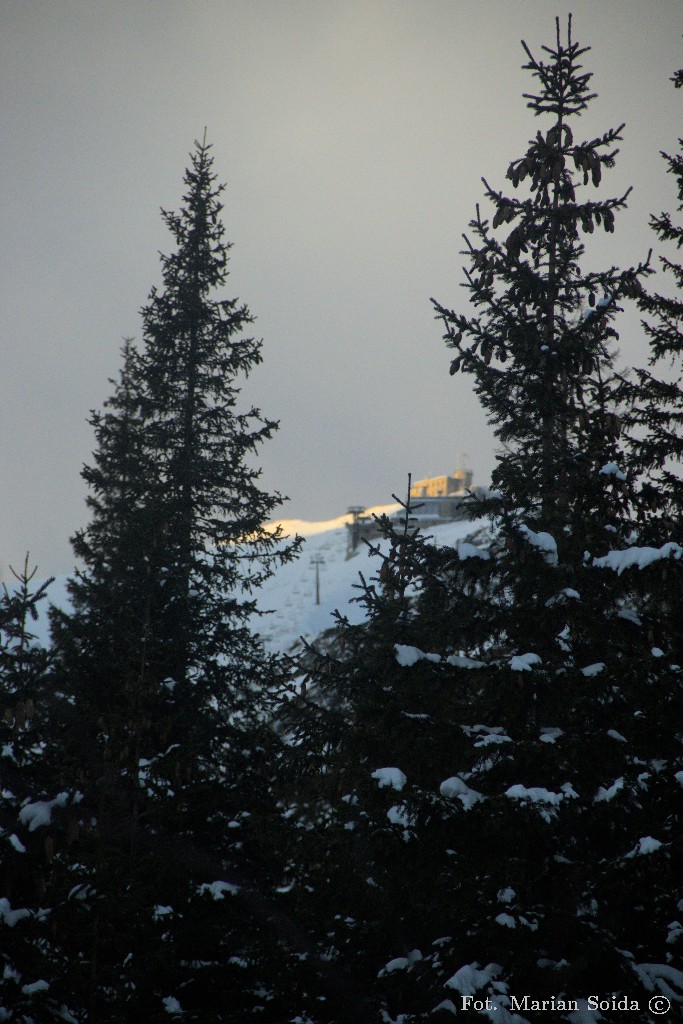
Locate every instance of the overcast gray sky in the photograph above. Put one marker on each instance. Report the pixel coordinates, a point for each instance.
(352, 137)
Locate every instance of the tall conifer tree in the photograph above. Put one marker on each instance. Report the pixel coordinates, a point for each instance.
(503, 776)
(34, 815)
(167, 675)
(655, 395)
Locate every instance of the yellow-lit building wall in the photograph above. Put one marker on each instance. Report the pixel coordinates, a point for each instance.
(442, 486)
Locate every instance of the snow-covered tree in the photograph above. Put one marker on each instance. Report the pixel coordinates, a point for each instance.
(500, 792)
(167, 676)
(34, 816)
(655, 413)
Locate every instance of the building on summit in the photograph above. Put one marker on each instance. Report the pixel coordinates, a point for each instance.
(434, 499)
(440, 497)
(442, 486)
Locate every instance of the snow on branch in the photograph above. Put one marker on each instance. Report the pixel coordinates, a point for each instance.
(466, 550)
(642, 557)
(455, 789)
(471, 978)
(543, 541)
(408, 656)
(40, 813)
(524, 662)
(392, 777)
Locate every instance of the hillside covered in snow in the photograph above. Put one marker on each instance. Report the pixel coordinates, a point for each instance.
(288, 598)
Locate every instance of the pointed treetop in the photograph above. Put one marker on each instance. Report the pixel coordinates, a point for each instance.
(564, 89)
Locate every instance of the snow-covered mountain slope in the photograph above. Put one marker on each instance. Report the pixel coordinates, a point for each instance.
(288, 598)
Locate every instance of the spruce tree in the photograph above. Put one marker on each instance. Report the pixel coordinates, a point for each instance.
(502, 789)
(169, 736)
(357, 872)
(34, 816)
(655, 403)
